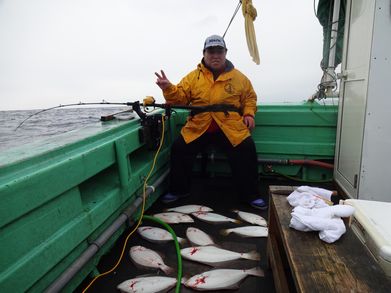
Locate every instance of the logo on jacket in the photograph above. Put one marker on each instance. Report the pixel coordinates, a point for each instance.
(229, 88)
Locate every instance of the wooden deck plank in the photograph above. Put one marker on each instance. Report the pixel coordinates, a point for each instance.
(316, 266)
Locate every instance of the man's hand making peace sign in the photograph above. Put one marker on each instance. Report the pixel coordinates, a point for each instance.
(162, 80)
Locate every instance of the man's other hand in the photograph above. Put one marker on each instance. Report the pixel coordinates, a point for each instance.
(249, 121)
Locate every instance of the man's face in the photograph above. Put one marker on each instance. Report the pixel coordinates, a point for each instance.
(214, 57)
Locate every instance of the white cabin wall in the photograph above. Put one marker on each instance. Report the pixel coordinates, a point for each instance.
(363, 161)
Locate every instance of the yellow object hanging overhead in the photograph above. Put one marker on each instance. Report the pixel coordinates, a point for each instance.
(250, 13)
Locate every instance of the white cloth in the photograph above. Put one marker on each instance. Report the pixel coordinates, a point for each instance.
(309, 197)
(341, 211)
(316, 190)
(326, 220)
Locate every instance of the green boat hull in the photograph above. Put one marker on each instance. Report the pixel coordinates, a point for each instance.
(59, 195)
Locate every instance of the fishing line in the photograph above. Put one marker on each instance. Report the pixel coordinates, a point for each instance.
(69, 105)
(142, 210)
(233, 16)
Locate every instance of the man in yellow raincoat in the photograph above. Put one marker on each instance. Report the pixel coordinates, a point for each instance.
(214, 82)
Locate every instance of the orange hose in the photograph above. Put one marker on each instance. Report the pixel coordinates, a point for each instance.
(312, 163)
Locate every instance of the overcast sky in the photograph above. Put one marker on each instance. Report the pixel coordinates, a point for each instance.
(65, 51)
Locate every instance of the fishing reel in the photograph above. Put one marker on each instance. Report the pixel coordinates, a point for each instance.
(151, 131)
(152, 125)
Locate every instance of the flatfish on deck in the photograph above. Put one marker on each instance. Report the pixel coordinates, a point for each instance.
(251, 218)
(157, 235)
(247, 231)
(191, 208)
(214, 218)
(152, 284)
(213, 255)
(148, 258)
(174, 218)
(198, 237)
(221, 279)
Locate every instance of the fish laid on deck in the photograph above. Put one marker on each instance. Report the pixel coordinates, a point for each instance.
(157, 235)
(148, 258)
(174, 218)
(150, 284)
(251, 218)
(221, 279)
(191, 208)
(214, 218)
(198, 237)
(247, 231)
(212, 255)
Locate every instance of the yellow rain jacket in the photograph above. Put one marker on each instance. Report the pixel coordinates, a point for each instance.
(199, 89)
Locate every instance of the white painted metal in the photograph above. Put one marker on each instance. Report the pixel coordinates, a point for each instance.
(371, 224)
(363, 149)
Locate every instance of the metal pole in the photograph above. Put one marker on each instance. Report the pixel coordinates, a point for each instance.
(334, 34)
(330, 77)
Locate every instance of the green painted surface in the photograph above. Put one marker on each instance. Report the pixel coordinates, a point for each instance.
(291, 131)
(295, 132)
(55, 199)
(306, 129)
(59, 194)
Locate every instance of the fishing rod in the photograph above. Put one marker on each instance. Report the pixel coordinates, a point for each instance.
(148, 102)
(69, 105)
(135, 105)
(151, 129)
(194, 110)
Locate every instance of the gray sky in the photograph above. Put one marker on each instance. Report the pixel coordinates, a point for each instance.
(65, 51)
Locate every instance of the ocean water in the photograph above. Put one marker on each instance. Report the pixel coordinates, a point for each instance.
(46, 124)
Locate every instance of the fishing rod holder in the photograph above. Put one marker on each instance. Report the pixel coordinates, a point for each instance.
(151, 130)
(151, 125)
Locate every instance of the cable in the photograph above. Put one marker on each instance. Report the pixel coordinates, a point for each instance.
(141, 215)
(178, 250)
(233, 16)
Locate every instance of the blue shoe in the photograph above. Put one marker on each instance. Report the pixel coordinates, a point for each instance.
(169, 197)
(259, 203)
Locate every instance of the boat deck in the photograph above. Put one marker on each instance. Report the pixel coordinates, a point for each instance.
(216, 193)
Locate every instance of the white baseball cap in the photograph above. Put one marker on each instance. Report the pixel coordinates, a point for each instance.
(214, 41)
